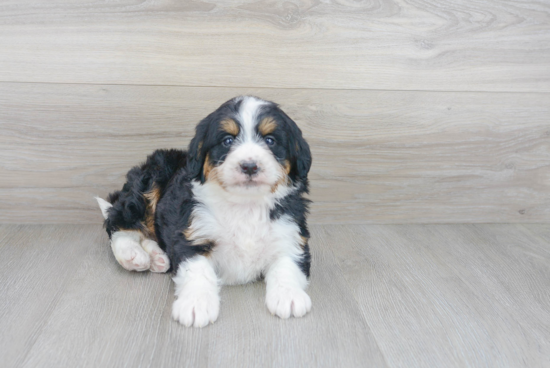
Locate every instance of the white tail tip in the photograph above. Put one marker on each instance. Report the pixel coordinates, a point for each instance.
(104, 206)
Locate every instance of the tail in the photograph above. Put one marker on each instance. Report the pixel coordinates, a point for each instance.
(104, 206)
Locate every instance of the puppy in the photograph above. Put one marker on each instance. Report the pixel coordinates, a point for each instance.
(228, 211)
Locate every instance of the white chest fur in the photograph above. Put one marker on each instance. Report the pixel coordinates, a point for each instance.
(246, 240)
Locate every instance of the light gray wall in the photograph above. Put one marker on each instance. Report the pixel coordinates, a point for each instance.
(430, 111)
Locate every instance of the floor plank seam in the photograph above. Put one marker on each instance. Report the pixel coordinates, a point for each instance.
(159, 321)
(538, 92)
(358, 304)
(21, 362)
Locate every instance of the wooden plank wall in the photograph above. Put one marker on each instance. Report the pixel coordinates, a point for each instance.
(416, 111)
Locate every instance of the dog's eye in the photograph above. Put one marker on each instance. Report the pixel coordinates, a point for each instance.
(269, 141)
(227, 141)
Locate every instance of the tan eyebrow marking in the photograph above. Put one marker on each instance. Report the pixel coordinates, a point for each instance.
(230, 126)
(267, 126)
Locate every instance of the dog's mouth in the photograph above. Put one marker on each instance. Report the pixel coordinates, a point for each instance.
(251, 180)
(236, 180)
(251, 183)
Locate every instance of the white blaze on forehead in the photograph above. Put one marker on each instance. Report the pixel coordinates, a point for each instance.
(248, 112)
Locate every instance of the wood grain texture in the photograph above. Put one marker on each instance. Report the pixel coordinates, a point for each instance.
(36, 267)
(109, 317)
(378, 156)
(342, 340)
(453, 295)
(381, 44)
(383, 296)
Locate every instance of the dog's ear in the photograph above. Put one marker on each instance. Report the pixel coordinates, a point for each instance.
(205, 138)
(300, 155)
(196, 153)
(303, 163)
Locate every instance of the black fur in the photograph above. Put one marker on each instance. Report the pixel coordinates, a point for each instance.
(129, 204)
(297, 208)
(172, 171)
(172, 218)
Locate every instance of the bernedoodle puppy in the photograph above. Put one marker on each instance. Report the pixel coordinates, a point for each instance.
(230, 210)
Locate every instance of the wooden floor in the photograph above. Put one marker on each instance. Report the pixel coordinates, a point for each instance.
(383, 296)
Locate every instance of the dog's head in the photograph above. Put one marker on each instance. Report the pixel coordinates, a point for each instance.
(248, 146)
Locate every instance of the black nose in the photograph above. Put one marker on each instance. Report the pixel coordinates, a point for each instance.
(249, 168)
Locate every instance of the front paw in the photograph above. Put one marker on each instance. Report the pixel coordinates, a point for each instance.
(196, 309)
(286, 301)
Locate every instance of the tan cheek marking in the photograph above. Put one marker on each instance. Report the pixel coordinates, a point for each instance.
(267, 126)
(211, 173)
(285, 170)
(286, 165)
(215, 176)
(230, 126)
(207, 167)
(304, 241)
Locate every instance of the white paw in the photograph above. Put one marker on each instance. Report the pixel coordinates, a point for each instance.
(134, 259)
(159, 259)
(159, 262)
(128, 252)
(196, 309)
(286, 301)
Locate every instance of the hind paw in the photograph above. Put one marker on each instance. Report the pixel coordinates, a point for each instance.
(159, 259)
(128, 252)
